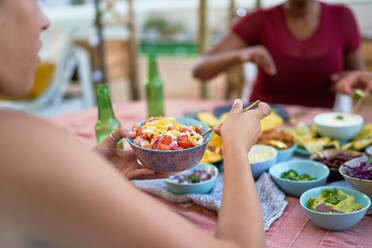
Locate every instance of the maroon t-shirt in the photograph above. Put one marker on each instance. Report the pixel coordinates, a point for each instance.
(303, 67)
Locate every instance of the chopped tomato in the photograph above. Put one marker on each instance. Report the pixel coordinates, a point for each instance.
(183, 129)
(174, 147)
(185, 143)
(182, 138)
(197, 130)
(147, 136)
(166, 140)
(170, 128)
(164, 147)
(146, 146)
(138, 130)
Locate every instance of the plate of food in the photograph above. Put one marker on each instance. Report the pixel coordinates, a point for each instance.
(361, 141)
(308, 140)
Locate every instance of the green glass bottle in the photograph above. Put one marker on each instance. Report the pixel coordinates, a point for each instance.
(154, 89)
(106, 122)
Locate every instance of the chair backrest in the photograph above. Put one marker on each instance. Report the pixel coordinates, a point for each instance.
(127, 22)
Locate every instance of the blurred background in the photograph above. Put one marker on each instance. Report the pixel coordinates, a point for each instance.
(75, 56)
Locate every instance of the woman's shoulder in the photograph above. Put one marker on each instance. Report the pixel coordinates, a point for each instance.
(16, 119)
(258, 18)
(339, 11)
(16, 126)
(265, 12)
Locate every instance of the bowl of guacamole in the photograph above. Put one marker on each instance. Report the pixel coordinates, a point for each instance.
(335, 208)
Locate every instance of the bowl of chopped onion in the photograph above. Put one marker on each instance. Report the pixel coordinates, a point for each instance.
(198, 180)
(170, 144)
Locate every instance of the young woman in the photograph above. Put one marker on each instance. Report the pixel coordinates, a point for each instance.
(297, 45)
(56, 192)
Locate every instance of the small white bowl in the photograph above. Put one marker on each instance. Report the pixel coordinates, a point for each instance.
(328, 125)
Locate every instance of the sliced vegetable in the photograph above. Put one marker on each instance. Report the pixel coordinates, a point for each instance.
(293, 175)
(363, 171)
(358, 94)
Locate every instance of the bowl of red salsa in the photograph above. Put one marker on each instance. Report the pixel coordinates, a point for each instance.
(170, 144)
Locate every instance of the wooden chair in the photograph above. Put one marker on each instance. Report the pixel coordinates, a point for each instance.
(126, 22)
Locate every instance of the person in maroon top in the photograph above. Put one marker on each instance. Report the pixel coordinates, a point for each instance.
(297, 45)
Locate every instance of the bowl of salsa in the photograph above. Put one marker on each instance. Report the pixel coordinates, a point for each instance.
(170, 144)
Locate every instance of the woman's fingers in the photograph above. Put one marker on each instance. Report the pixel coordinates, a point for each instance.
(237, 106)
(268, 63)
(262, 111)
(217, 130)
(335, 77)
(145, 173)
(262, 58)
(354, 80)
(124, 133)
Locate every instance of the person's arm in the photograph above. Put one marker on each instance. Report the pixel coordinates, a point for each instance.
(239, 193)
(349, 82)
(354, 60)
(125, 161)
(232, 50)
(353, 57)
(56, 190)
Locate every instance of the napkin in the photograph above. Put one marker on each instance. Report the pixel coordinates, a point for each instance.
(271, 198)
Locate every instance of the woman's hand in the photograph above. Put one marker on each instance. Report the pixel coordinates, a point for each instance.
(243, 127)
(348, 82)
(260, 56)
(125, 161)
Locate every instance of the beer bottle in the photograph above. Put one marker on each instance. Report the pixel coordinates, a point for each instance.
(106, 123)
(154, 89)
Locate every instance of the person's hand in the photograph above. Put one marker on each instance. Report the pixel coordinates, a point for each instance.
(348, 82)
(243, 127)
(125, 161)
(260, 56)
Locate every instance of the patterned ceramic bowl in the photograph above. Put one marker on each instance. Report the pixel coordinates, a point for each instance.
(177, 160)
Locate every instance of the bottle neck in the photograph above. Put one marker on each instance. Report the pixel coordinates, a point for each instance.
(153, 68)
(104, 104)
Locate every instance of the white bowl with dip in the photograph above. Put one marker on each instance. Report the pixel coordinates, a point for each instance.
(341, 126)
(261, 158)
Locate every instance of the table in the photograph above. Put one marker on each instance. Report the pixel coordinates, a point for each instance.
(293, 229)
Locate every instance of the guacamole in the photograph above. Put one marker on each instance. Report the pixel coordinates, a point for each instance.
(333, 201)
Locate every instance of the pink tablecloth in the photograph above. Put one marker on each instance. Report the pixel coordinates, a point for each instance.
(293, 229)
